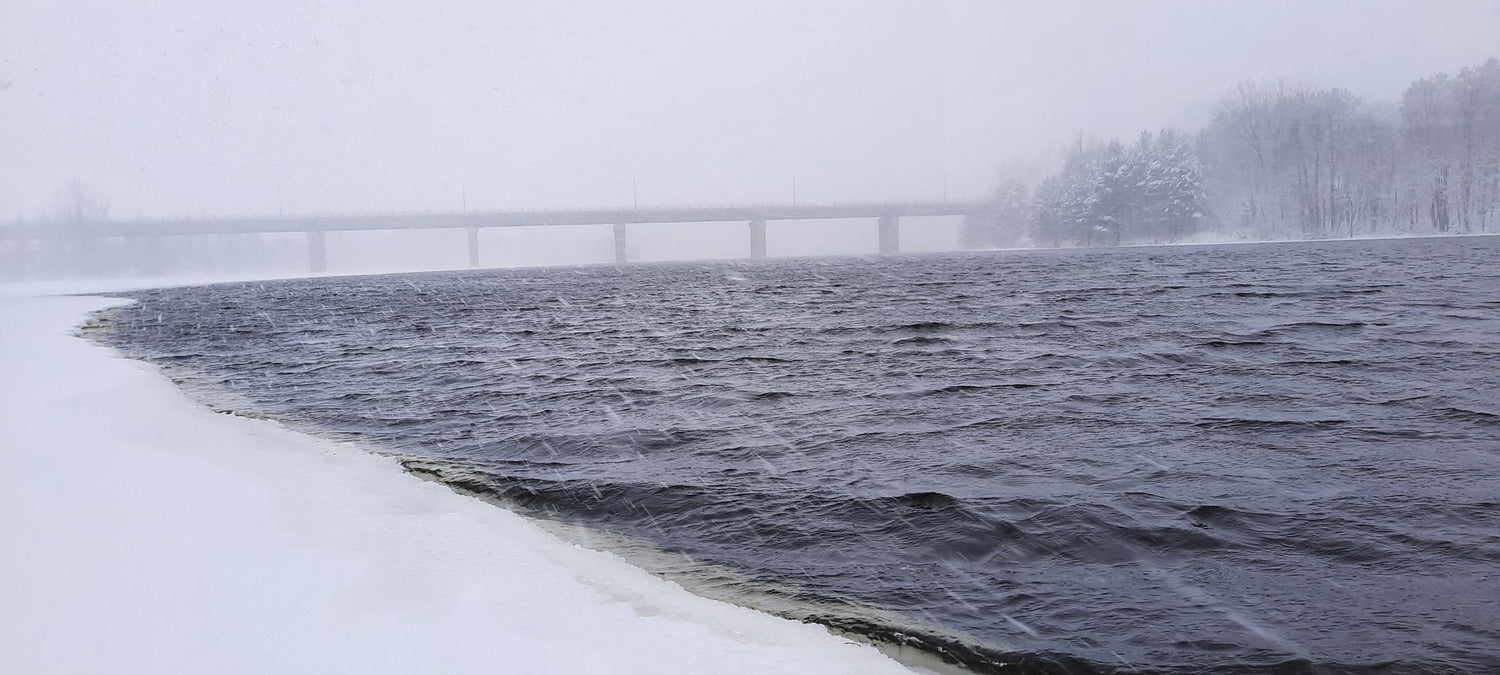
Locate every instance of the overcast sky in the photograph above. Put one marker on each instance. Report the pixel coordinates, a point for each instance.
(204, 107)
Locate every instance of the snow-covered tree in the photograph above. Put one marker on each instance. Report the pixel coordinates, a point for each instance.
(1285, 160)
(1110, 194)
(1452, 136)
(1289, 160)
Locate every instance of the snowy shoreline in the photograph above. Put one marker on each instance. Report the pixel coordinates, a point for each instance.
(149, 534)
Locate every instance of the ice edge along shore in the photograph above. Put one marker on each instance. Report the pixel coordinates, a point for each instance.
(145, 533)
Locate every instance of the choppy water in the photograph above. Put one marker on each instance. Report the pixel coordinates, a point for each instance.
(1231, 459)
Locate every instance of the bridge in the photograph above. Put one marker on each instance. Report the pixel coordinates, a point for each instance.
(889, 215)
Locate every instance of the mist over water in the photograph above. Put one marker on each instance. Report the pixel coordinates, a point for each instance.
(1190, 460)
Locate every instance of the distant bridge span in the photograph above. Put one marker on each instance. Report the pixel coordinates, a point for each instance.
(888, 213)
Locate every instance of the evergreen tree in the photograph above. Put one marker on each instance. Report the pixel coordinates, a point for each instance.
(1151, 192)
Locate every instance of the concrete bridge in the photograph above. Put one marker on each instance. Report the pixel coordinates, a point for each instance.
(889, 215)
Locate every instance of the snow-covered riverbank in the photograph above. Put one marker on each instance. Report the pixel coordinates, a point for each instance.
(145, 533)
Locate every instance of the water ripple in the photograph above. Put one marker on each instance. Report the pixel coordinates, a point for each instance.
(1233, 460)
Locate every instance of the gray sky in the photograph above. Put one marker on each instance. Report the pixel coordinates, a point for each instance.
(236, 107)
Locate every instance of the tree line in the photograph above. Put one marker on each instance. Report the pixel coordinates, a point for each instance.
(1276, 161)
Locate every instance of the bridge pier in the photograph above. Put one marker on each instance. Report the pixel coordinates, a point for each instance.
(317, 252)
(473, 246)
(620, 257)
(758, 238)
(890, 234)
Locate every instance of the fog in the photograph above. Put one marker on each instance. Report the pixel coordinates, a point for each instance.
(1105, 456)
(174, 109)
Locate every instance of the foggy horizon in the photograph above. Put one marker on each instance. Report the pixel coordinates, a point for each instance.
(183, 110)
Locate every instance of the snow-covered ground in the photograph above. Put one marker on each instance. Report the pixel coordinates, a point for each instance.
(143, 533)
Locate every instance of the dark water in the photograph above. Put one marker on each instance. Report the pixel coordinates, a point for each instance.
(1274, 458)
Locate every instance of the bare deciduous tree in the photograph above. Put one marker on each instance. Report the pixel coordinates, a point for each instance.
(77, 203)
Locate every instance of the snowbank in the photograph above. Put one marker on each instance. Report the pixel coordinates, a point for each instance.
(144, 533)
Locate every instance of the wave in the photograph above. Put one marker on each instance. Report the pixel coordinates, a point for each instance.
(731, 527)
(1252, 424)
